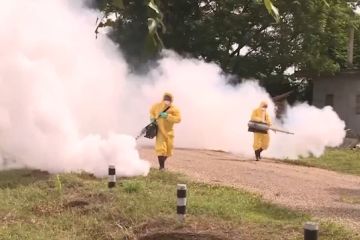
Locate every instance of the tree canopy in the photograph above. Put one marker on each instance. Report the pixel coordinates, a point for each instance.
(309, 36)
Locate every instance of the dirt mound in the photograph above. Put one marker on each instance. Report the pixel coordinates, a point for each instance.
(76, 203)
(181, 236)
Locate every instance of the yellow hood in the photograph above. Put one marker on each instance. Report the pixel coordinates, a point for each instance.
(168, 95)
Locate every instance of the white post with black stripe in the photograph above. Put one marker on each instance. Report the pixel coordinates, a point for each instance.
(311, 231)
(112, 177)
(181, 202)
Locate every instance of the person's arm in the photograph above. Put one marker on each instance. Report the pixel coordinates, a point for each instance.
(255, 117)
(174, 116)
(268, 119)
(153, 112)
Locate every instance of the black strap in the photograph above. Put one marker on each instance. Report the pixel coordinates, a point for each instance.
(167, 108)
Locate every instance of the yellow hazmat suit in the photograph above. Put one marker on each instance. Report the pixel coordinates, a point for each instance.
(261, 140)
(165, 135)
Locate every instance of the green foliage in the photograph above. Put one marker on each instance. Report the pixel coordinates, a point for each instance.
(324, 48)
(135, 26)
(133, 186)
(58, 183)
(155, 22)
(118, 4)
(109, 8)
(272, 9)
(241, 36)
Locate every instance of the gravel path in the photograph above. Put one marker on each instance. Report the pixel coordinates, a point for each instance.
(322, 193)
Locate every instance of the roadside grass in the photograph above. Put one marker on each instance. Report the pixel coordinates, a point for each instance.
(340, 160)
(37, 205)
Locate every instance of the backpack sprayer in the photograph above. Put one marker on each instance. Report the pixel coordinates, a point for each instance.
(149, 131)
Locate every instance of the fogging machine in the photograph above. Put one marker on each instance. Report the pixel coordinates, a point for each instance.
(150, 130)
(260, 127)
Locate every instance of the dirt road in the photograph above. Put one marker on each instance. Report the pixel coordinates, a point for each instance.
(320, 192)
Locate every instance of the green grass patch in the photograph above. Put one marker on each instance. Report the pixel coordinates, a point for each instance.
(340, 160)
(350, 199)
(34, 206)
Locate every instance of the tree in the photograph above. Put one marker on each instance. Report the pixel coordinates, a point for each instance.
(242, 37)
(135, 26)
(129, 18)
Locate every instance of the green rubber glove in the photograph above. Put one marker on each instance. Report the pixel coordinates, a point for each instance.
(164, 114)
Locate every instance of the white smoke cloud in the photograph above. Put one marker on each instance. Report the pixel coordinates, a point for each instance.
(60, 91)
(215, 115)
(67, 99)
(314, 129)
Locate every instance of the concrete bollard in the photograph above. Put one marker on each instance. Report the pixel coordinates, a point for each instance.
(181, 202)
(311, 231)
(112, 177)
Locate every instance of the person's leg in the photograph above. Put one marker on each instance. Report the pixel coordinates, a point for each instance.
(161, 162)
(257, 155)
(257, 145)
(164, 160)
(264, 143)
(169, 148)
(260, 150)
(160, 148)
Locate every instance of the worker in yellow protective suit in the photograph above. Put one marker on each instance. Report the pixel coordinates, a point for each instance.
(167, 115)
(261, 140)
